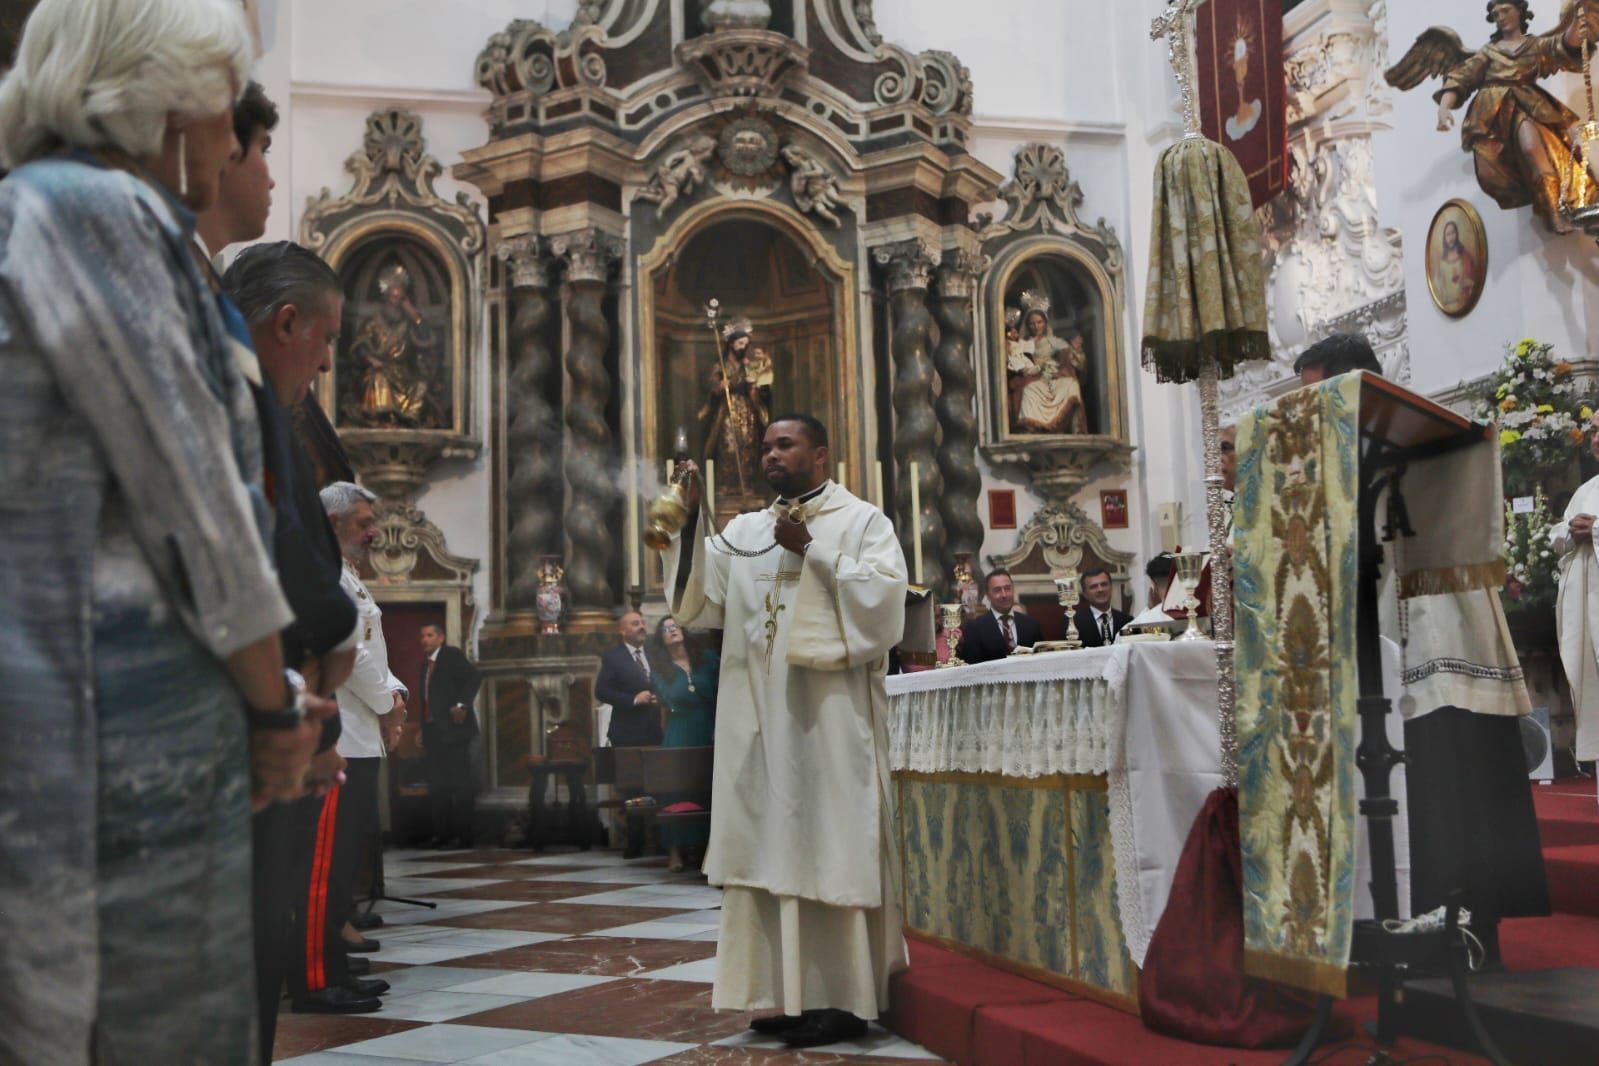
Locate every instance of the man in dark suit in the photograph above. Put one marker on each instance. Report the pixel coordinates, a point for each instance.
(624, 682)
(1097, 621)
(449, 684)
(1001, 629)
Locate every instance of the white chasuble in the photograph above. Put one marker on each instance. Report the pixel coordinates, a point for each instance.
(1577, 613)
(802, 837)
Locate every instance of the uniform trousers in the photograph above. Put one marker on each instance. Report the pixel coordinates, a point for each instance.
(342, 826)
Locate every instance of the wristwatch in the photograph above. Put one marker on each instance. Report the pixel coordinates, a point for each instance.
(289, 717)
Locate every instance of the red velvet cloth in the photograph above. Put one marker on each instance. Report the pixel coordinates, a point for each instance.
(1193, 984)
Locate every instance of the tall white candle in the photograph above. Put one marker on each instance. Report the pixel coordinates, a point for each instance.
(632, 525)
(877, 486)
(710, 484)
(843, 472)
(916, 521)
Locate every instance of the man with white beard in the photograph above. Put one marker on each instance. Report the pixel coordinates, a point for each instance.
(810, 595)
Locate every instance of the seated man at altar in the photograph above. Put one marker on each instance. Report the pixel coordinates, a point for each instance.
(1097, 621)
(1160, 570)
(1001, 629)
(1471, 819)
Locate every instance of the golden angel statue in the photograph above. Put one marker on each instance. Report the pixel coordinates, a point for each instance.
(1515, 130)
(398, 357)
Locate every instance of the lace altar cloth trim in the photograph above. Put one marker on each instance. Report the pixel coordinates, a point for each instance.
(1023, 717)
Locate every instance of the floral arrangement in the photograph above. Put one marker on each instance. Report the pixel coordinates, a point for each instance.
(1534, 399)
(1531, 577)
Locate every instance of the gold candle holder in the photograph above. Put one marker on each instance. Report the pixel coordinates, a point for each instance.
(1066, 596)
(950, 616)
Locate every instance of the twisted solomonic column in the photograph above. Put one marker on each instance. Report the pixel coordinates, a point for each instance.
(956, 405)
(590, 464)
(533, 427)
(910, 265)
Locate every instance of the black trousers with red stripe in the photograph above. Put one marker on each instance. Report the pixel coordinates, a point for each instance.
(340, 828)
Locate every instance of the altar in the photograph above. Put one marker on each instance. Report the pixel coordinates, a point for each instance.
(1044, 801)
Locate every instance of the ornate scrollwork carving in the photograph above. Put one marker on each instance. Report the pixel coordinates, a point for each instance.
(1042, 195)
(1064, 536)
(410, 548)
(392, 168)
(749, 62)
(529, 57)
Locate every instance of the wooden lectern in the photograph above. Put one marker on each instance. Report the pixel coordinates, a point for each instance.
(1397, 428)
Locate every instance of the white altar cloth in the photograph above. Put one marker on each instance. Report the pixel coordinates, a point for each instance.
(1142, 714)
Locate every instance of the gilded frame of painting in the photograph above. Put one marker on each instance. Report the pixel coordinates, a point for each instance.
(1107, 290)
(1479, 274)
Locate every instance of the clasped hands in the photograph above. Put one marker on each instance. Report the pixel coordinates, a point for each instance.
(1581, 528)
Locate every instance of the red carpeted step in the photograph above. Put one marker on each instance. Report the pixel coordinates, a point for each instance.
(1573, 874)
(1549, 943)
(1567, 815)
(936, 1004)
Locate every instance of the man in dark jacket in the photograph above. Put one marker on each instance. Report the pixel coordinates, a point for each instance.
(290, 303)
(445, 690)
(1097, 621)
(624, 682)
(1001, 629)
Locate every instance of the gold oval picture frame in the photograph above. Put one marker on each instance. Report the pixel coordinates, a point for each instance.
(1456, 264)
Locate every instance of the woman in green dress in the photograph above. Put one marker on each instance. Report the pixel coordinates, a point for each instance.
(686, 674)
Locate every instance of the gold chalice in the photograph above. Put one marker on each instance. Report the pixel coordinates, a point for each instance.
(1190, 565)
(1066, 596)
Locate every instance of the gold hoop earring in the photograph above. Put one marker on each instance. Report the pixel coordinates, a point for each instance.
(183, 164)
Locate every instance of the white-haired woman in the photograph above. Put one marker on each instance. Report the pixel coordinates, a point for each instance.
(139, 609)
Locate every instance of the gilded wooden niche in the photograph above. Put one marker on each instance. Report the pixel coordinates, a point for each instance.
(410, 264)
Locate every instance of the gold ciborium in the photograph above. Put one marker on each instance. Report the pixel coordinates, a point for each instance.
(1066, 596)
(1190, 565)
(667, 514)
(949, 616)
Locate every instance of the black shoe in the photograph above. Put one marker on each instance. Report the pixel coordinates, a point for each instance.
(777, 1023)
(825, 1027)
(363, 922)
(336, 1000)
(363, 986)
(365, 946)
(357, 966)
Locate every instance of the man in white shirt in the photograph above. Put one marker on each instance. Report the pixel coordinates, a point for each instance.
(372, 709)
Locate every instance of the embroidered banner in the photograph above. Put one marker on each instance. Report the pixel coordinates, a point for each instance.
(1295, 558)
(1242, 92)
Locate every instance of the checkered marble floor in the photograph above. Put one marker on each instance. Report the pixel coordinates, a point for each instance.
(555, 959)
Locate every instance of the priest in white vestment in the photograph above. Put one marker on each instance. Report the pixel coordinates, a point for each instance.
(810, 594)
(1577, 609)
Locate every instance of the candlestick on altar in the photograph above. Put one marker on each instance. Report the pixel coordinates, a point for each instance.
(916, 522)
(632, 525)
(710, 484)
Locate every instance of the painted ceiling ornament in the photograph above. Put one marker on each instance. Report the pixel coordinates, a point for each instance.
(1500, 80)
(747, 147)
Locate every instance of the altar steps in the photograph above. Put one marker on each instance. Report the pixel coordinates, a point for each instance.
(977, 1015)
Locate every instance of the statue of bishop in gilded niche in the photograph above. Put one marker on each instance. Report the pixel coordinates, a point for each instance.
(736, 411)
(399, 361)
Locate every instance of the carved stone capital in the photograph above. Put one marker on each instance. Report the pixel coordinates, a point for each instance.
(910, 264)
(744, 62)
(589, 254)
(958, 273)
(527, 259)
